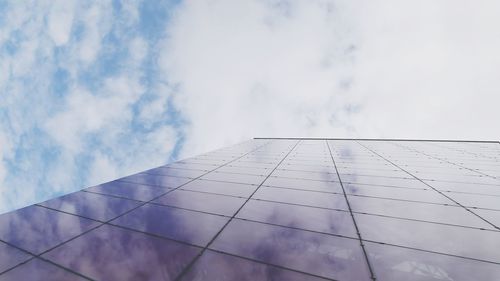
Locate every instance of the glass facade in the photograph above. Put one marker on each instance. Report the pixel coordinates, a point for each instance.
(275, 209)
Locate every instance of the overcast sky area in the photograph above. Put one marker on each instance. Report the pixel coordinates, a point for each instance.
(90, 92)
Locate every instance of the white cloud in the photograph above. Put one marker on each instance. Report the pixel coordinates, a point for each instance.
(97, 21)
(249, 69)
(138, 50)
(68, 116)
(60, 21)
(5, 148)
(87, 113)
(334, 69)
(103, 168)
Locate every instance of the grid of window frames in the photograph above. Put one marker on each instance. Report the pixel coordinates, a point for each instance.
(275, 209)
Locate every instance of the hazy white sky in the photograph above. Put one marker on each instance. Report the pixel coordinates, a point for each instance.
(94, 91)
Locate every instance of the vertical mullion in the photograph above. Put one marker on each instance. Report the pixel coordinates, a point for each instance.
(352, 215)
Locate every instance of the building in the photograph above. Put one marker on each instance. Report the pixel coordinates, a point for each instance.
(275, 209)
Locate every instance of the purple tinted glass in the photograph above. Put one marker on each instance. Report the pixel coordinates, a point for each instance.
(37, 229)
(92, 205)
(307, 175)
(205, 202)
(112, 253)
(309, 198)
(384, 181)
(217, 266)
(238, 178)
(129, 190)
(391, 172)
(319, 254)
(323, 186)
(202, 167)
(398, 193)
(183, 225)
(394, 263)
(218, 187)
(183, 173)
(245, 170)
(156, 180)
(39, 270)
(417, 211)
(453, 240)
(10, 257)
(309, 218)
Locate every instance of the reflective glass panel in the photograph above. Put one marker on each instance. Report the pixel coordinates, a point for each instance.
(232, 177)
(39, 270)
(395, 263)
(37, 229)
(309, 198)
(316, 219)
(10, 257)
(205, 202)
(92, 205)
(112, 253)
(218, 187)
(179, 224)
(217, 266)
(319, 254)
(129, 190)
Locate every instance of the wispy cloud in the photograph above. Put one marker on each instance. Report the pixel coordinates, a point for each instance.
(74, 97)
(424, 69)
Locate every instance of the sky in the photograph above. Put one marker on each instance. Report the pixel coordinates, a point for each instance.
(95, 90)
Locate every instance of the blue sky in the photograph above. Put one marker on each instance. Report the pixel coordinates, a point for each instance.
(95, 90)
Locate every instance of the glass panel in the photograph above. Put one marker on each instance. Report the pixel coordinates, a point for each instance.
(416, 210)
(216, 266)
(205, 202)
(306, 175)
(245, 170)
(373, 172)
(385, 181)
(491, 216)
(37, 269)
(324, 186)
(183, 225)
(167, 171)
(91, 205)
(203, 161)
(476, 201)
(37, 229)
(111, 253)
(465, 177)
(247, 164)
(319, 254)
(322, 220)
(309, 198)
(411, 194)
(465, 187)
(394, 264)
(239, 178)
(441, 238)
(156, 180)
(227, 188)
(10, 257)
(305, 168)
(129, 190)
(181, 165)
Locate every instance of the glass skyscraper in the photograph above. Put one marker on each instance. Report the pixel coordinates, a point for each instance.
(275, 209)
